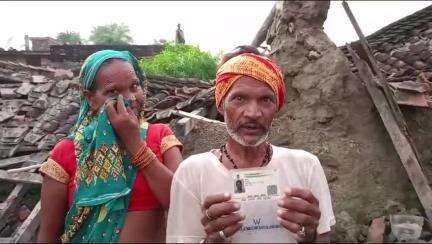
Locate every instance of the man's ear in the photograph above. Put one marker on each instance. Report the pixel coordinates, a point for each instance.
(221, 108)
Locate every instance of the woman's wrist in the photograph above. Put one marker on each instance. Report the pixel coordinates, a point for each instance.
(134, 148)
(143, 157)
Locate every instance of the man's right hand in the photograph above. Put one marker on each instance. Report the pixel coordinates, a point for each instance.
(221, 214)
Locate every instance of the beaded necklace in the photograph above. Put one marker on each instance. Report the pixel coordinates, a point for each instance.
(265, 161)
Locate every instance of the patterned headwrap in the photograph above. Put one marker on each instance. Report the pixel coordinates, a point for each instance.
(105, 174)
(91, 66)
(255, 66)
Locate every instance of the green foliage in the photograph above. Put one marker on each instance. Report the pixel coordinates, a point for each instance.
(111, 34)
(182, 61)
(71, 38)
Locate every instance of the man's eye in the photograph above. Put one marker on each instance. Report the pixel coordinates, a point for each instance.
(239, 98)
(267, 100)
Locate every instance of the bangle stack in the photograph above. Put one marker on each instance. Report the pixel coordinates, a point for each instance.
(143, 158)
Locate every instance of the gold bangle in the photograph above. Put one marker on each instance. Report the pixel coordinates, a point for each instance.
(145, 159)
(141, 157)
(137, 155)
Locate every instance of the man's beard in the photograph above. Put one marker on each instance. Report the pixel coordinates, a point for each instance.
(239, 139)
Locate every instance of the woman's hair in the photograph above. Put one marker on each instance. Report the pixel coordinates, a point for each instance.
(237, 51)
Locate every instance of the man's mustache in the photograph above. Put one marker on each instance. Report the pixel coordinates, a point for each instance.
(252, 124)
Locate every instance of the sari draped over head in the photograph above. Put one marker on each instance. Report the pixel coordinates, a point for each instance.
(105, 175)
(252, 65)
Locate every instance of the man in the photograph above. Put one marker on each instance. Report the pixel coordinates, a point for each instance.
(239, 185)
(179, 38)
(249, 92)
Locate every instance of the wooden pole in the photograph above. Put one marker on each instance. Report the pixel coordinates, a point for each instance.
(21, 177)
(27, 168)
(197, 117)
(28, 228)
(400, 141)
(381, 81)
(392, 118)
(261, 35)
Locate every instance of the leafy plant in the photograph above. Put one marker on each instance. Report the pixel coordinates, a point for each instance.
(111, 34)
(69, 37)
(182, 61)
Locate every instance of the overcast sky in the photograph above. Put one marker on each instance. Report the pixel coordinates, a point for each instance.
(213, 25)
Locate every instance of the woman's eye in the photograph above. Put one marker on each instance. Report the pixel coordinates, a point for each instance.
(239, 98)
(112, 92)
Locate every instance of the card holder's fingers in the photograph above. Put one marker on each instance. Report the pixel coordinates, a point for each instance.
(220, 209)
(215, 198)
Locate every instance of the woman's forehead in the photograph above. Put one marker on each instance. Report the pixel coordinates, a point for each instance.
(116, 70)
(116, 66)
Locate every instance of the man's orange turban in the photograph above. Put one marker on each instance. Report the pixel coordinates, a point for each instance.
(255, 66)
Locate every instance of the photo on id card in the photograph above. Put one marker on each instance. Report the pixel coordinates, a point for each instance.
(255, 184)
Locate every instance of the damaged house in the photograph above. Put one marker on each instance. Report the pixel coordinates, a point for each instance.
(328, 112)
(40, 105)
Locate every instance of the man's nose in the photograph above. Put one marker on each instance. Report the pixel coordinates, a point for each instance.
(253, 110)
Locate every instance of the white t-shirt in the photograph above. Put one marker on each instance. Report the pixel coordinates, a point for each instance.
(203, 174)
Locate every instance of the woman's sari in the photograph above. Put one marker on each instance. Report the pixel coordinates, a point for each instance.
(105, 174)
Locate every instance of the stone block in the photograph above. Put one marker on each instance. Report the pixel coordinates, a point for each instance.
(5, 115)
(44, 88)
(41, 102)
(24, 89)
(8, 93)
(185, 125)
(38, 79)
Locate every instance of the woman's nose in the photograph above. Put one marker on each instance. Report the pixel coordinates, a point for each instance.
(128, 95)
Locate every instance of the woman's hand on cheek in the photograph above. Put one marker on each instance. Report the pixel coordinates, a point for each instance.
(125, 124)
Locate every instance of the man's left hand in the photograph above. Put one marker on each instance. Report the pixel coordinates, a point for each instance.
(299, 213)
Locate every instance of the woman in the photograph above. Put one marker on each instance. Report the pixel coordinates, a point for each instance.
(110, 179)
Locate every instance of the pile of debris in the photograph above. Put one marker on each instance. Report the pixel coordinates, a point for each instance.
(31, 101)
(403, 50)
(40, 105)
(407, 74)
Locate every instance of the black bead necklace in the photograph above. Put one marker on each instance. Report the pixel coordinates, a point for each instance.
(265, 161)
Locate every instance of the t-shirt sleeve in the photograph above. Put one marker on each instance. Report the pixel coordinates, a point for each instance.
(319, 187)
(61, 162)
(168, 139)
(184, 216)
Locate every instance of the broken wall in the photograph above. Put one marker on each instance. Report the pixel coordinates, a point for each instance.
(329, 112)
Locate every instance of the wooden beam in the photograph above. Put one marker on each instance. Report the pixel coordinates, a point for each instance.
(21, 177)
(5, 239)
(27, 230)
(194, 115)
(11, 203)
(34, 158)
(27, 168)
(261, 35)
(185, 125)
(400, 141)
(395, 110)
